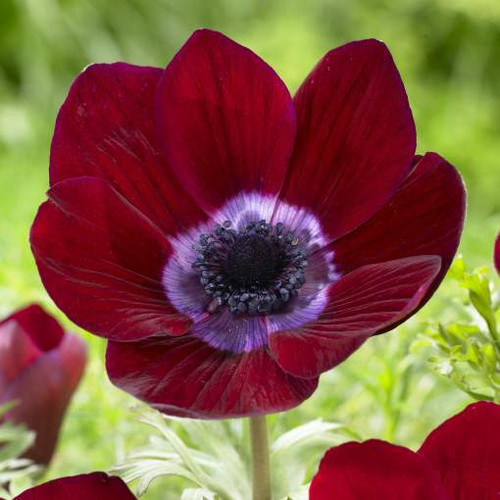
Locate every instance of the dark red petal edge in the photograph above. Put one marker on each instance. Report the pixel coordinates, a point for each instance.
(465, 451)
(102, 262)
(106, 129)
(226, 120)
(186, 377)
(425, 217)
(93, 486)
(375, 470)
(362, 303)
(43, 389)
(355, 139)
(42, 328)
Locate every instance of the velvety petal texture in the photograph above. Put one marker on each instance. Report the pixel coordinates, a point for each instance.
(162, 179)
(355, 139)
(187, 377)
(38, 374)
(424, 217)
(458, 461)
(93, 486)
(102, 262)
(226, 120)
(106, 129)
(43, 330)
(375, 470)
(465, 451)
(361, 304)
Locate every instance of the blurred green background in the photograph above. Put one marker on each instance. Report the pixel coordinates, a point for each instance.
(447, 52)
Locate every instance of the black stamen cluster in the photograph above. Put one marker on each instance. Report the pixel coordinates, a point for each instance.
(256, 270)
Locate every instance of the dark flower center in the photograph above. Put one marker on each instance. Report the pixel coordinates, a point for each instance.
(252, 260)
(255, 270)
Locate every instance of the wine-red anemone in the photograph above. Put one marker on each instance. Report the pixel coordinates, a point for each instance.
(232, 242)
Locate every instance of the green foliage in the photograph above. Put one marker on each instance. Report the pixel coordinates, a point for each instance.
(468, 351)
(15, 440)
(214, 461)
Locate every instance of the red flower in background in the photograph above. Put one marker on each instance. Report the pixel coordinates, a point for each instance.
(231, 242)
(459, 460)
(93, 486)
(40, 367)
(496, 254)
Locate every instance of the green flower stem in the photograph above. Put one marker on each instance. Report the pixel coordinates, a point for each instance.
(261, 471)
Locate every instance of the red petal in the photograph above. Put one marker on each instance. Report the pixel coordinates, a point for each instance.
(425, 217)
(355, 137)
(93, 486)
(17, 350)
(106, 129)
(364, 302)
(496, 256)
(184, 376)
(102, 262)
(226, 120)
(375, 470)
(465, 451)
(43, 389)
(43, 329)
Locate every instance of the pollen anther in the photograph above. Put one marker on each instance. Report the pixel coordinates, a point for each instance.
(255, 270)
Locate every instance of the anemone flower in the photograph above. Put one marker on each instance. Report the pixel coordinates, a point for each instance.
(233, 243)
(93, 486)
(496, 254)
(459, 460)
(40, 368)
